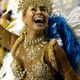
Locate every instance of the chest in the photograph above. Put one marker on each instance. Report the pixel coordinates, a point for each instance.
(34, 63)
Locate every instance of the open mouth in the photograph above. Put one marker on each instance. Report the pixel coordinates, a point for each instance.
(39, 20)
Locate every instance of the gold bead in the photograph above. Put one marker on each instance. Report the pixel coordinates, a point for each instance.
(23, 4)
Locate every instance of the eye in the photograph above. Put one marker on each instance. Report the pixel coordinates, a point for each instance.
(33, 9)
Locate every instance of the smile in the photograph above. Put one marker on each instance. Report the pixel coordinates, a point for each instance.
(39, 20)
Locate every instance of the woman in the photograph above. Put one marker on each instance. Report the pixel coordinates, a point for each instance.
(35, 57)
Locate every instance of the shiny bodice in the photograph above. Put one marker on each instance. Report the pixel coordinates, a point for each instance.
(38, 70)
(35, 65)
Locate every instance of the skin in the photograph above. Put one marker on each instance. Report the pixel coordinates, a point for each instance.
(35, 30)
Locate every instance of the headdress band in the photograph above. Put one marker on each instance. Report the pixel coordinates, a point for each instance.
(23, 4)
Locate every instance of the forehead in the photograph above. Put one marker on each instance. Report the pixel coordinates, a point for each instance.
(38, 6)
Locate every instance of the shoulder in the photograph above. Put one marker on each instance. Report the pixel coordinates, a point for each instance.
(52, 42)
(49, 54)
(54, 50)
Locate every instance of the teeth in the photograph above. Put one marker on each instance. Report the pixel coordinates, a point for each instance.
(39, 19)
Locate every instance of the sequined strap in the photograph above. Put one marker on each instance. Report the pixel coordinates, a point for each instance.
(16, 45)
(51, 55)
(17, 70)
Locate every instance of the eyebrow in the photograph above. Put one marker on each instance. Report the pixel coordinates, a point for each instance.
(43, 7)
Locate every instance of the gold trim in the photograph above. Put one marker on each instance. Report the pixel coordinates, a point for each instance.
(51, 54)
(24, 4)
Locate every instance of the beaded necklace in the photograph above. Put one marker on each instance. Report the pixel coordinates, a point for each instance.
(29, 45)
(32, 51)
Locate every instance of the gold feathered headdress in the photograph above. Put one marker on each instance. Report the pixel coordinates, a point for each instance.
(23, 4)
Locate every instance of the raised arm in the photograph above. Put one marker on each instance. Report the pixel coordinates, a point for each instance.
(7, 38)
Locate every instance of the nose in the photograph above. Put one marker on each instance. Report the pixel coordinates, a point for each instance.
(39, 11)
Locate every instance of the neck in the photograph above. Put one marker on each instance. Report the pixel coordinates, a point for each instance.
(31, 34)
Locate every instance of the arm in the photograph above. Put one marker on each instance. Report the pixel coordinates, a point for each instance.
(7, 38)
(1, 32)
(68, 71)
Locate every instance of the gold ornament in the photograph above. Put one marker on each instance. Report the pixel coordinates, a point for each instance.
(16, 45)
(24, 4)
(51, 53)
(29, 45)
(18, 72)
